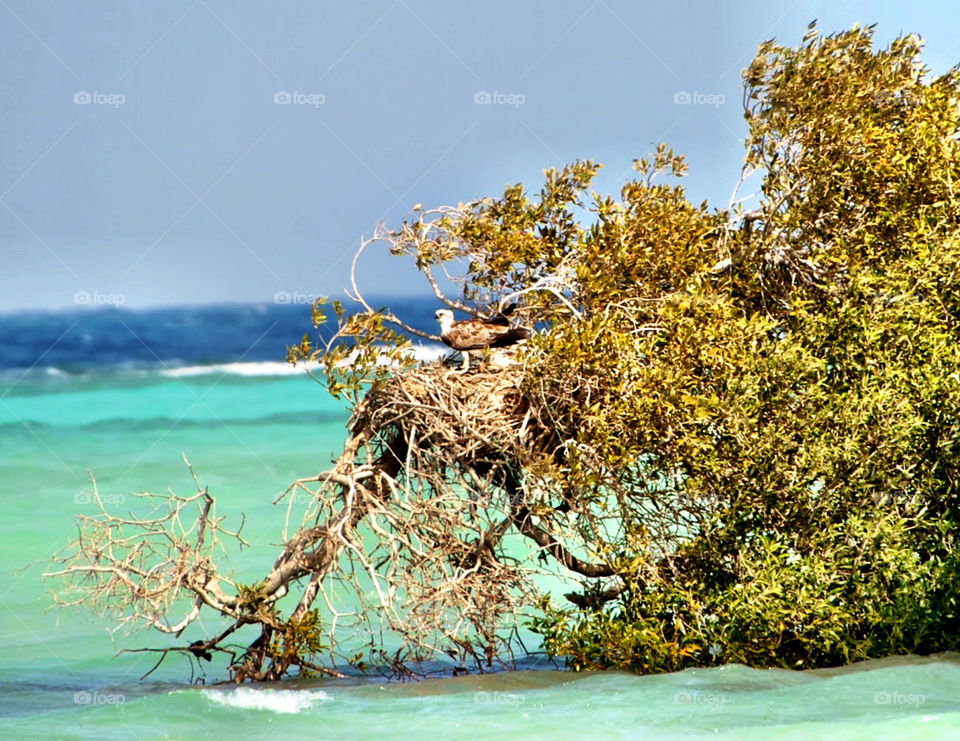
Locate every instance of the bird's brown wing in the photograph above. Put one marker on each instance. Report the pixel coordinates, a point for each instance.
(474, 334)
(511, 336)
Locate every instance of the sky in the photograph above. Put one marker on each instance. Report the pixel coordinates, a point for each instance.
(192, 151)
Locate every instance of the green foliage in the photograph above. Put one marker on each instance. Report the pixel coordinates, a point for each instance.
(755, 416)
(802, 403)
(296, 642)
(861, 592)
(360, 354)
(291, 642)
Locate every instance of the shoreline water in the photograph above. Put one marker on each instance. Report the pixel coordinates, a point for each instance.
(248, 436)
(727, 702)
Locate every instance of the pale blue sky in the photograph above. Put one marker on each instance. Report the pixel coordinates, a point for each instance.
(196, 186)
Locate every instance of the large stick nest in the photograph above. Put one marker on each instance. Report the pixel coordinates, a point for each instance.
(482, 415)
(449, 450)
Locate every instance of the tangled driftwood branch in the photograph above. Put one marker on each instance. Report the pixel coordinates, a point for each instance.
(140, 568)
(411, 522)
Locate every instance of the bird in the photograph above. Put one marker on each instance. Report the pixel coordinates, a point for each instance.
(476, 334)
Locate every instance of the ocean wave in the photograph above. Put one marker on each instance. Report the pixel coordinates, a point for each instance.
(250, 369)
(309, 418)
(55, 377)
(423, 353)
(276, 701)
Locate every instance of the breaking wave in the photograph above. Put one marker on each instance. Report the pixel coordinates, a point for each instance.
(274, 701)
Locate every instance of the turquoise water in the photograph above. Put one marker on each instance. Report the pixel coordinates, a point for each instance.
(248, 433)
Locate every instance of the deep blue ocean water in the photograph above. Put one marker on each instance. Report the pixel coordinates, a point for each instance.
(122, 395)
(79, 340)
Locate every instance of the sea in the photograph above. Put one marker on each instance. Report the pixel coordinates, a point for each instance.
(121, 396)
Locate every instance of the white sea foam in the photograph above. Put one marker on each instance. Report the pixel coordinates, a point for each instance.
(431, 352)
(262, 368)
(276, 701)
(425, 353)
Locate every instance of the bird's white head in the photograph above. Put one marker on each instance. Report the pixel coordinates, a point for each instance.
(445, 317)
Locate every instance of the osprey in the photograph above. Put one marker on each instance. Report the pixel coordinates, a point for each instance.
(476, 334)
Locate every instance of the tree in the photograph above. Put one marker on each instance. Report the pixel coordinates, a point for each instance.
(736, 431)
